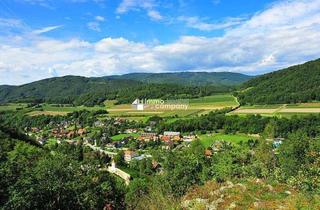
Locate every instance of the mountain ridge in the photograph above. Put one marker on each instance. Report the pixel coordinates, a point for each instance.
(187, 78)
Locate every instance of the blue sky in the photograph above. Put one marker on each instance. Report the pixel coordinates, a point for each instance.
(46, 38)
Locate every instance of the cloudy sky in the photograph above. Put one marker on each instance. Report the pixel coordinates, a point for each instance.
(48, 38)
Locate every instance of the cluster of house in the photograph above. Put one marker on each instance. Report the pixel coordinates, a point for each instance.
(62, 133)
(133, 155)
(167, 137)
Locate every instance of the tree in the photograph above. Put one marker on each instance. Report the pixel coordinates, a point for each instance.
(137, 189)
(58, 182)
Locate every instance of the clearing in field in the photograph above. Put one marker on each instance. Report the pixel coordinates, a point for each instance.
(208, 139)
(123, 135)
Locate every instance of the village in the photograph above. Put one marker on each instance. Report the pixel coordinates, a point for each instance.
(133, 142)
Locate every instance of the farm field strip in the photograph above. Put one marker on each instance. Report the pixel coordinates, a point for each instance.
(281, 109)
(53, 113)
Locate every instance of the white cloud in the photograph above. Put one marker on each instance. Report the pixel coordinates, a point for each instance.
(46, 29)
(284, 34)
(137, 5)
(100, 18)
(10, 23)
(155, 15)
(95, 26)
(196, 23)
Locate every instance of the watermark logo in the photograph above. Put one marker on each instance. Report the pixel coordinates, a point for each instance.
(158, 104)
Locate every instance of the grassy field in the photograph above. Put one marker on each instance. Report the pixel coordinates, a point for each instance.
(213, 102)
(208, 139)
(196, 107)
(123, 135)
(280, 110)
(11, 107)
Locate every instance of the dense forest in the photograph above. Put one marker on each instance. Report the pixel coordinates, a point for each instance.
(295, 84)
(92, 91)
(188, 78)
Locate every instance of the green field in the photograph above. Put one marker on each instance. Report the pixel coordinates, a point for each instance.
(53, 108)
(280, 110)
(208, 139)
(196, 107)
(265, 106)
(11, 107)
(124, 135)
(223, 100)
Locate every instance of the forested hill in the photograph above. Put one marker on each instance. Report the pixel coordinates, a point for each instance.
(91, 91)
(300, 83)
(188, 78)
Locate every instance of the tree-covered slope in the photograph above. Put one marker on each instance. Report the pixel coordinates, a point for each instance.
(300, 83)
(188, 78)
(90, 91)
(68, 89)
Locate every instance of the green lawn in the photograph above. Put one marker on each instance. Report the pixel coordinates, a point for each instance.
(208, 139)
(123, 135)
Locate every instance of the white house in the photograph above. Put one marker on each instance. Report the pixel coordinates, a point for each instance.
(138, 105)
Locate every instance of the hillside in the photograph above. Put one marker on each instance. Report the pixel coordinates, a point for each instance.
(300, 83)
(91, 91)
(188, 78)
(66, 89)
(248, 194)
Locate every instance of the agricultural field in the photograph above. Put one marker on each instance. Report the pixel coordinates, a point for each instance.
(11, 106)
(208, 139)
(280, 110)
(214, 102)
(196, 107)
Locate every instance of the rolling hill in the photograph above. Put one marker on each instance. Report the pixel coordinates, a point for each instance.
(68, 89)
(187, 78)
(300, 83)
(91, 91)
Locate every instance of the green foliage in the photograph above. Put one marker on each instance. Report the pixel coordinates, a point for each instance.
(299, 159)
(137, 189)
(188, 78)
(292, 85)
(32, 178)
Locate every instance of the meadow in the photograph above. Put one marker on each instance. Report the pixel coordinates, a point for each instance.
(12, 106)
(124, 135)
(208, 139)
